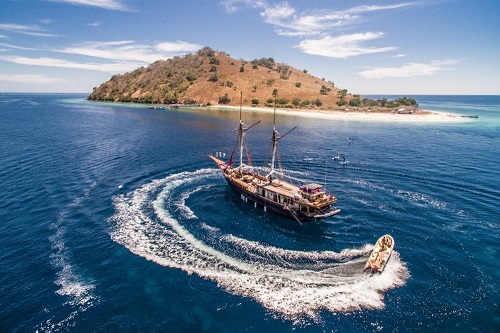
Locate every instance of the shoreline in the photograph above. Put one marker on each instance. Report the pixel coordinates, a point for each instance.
(427, 117)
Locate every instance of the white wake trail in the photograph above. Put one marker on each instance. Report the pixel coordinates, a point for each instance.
(290, 283)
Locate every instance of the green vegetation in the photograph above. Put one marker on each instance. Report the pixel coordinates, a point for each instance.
(341, 102)
(355, 102)
(406, 101)
(206, 52)
(282, 101)
(264, 62)
(325, 90)
(189, 101)
(214, 61)
(284, 71)
(342, 93)
(224, 99)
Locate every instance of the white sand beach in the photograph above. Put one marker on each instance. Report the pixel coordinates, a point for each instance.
(424, 117)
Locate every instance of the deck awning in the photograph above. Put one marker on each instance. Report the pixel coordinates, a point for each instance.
(312, 188)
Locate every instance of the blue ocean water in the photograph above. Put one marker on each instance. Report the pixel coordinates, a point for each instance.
(112, 218)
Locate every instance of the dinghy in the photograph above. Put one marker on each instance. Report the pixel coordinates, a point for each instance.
(380, 255)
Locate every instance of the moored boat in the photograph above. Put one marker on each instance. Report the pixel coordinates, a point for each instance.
(301, 202)
(380, 255)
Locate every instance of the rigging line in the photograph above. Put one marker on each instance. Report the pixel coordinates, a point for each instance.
(297, 179)
(326, 170)
(280, 167)
(296, 218)
(241, 101)
(249, 160)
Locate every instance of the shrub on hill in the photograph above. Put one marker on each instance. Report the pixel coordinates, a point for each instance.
(224, 99)
(264, 62)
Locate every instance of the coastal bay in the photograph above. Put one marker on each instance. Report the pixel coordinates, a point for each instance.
(114, 218)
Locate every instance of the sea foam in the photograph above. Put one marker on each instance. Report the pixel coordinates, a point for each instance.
(289, 283)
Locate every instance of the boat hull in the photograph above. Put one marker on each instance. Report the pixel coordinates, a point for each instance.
(277, 208)
(268, 205)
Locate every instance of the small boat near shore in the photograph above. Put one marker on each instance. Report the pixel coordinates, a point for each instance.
(380, 255)
(159, 107)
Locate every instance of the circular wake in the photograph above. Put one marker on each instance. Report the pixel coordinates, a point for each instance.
(291, 283)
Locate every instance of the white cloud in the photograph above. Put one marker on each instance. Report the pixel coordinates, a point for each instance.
(32, 30)
(409, 70)
(128, 50)
(343, 46)
(95, 24)
(45, 21)
(287, 21)
(277, 13)
(366, 8)
(232, 6)
(113, 57)
(30, 79)
(10, 46)
(114, 67)
(116, 50)
(106, 4)
(177, 47)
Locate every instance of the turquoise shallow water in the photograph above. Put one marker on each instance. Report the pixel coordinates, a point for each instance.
(114, 219)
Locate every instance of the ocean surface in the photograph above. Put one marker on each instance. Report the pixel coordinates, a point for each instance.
(113, 219)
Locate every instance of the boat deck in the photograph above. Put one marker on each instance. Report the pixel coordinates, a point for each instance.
(282, 188)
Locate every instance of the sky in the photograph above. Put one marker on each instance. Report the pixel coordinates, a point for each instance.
(382, 47)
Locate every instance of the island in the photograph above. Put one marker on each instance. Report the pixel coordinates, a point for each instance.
(214, 79)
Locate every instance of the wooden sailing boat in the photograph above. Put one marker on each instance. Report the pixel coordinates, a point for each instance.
(299, 202)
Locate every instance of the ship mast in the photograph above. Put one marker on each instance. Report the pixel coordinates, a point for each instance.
(241, 133)
(274, 141)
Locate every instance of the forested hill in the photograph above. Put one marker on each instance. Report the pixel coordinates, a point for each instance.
(211, 77)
